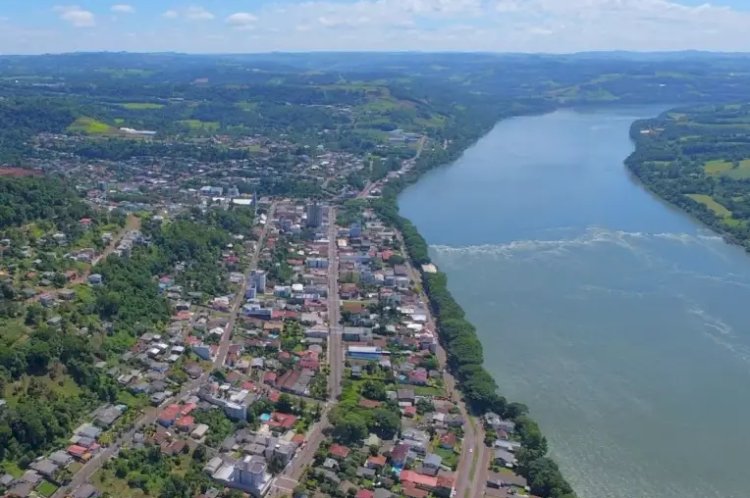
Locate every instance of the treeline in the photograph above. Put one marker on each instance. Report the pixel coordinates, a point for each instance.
(463, 348)
(675, 156)
(23, 117)
(41, 417)
(31, 198)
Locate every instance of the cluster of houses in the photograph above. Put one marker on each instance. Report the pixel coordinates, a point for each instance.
(57, 467)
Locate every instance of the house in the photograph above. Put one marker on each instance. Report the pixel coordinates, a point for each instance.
(431, 464)
(399, 454)
(418, 377)
(505, 458)
(169, 415)
(282, 421)
(506, 445)
(448, 441)
(375, 462)
(364, 493)
(338, 451)
(85, 491)
(405, 395)
(95, 279)
(45, 467)
(412, 479)
(497, 480)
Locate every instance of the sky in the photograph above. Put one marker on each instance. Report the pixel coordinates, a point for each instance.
(249, 26)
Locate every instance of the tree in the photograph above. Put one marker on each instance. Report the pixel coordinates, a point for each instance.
(284, 404)
(374, 390)
(351, 428)
(385, 423)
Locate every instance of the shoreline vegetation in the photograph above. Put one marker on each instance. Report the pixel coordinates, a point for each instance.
(458, 336)
(697, 159)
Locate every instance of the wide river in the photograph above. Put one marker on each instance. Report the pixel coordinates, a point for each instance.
(621, 322)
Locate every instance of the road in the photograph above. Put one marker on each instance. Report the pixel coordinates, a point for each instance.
(404, 168)
(149, 418)
(285, 482)
(472, 470)
(239, 298)
(335, 350)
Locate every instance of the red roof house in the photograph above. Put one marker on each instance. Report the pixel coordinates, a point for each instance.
(339, 451)
(409, 478)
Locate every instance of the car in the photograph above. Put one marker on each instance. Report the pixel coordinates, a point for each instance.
(471, 450)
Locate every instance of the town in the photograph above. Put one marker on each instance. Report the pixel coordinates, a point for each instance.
(194, 310)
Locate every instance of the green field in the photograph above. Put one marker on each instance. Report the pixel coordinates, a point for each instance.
(717, 167)
(727, 168)
(141, 106)
(46, 488)
(90, 126)
(711, 204)
(198, 125)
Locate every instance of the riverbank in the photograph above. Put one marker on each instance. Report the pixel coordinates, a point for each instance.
(691, 159)
(458, 337)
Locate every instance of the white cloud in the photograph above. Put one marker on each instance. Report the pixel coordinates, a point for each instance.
(76, 16)
(122, 8)
(198, 14)
(193, 13)
(242, 20)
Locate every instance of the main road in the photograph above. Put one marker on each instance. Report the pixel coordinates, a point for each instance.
(93, 465)
(472, 470)
(285, 482)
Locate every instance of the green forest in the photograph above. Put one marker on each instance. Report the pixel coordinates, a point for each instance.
(698, 158)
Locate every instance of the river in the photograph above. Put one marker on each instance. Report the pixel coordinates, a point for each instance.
(622, 323)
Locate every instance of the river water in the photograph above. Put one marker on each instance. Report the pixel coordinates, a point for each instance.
(621, 322)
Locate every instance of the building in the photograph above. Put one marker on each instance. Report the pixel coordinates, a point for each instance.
(258, 280)
(365, 353)
(314, 214)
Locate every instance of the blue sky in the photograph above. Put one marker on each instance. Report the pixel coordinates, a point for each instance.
(205, 26)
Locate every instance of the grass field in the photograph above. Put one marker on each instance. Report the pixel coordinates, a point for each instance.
(90, 126)
(727, 168)
(46, 488)
(11, 330)
(198, 125)
(11, 468)
(450, 458)
(141, 106)
(711, 204)
(717, 167)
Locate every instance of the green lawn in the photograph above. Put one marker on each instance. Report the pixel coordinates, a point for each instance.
(90, 126)
(741, 172)
(141, 106)
(198, 125)
(11, 330)
(450, 457)
(46, 488)
(711, 204)
(428, 391)
(727, 168)
(717, 167)
(11, 468)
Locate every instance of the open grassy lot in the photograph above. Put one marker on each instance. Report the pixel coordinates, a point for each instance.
(711, 204)
(90, 126)
(46, 488)
(727, 168)
(141, 106)
(198, 125)
(717, 167)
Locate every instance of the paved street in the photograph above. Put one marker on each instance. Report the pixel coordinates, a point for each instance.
(287, 480)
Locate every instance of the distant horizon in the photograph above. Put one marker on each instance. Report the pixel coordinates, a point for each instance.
(260, 26)
(385, 52)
